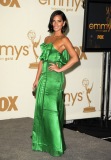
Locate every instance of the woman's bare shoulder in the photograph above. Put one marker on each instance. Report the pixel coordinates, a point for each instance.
(66, 40)
(47, 39)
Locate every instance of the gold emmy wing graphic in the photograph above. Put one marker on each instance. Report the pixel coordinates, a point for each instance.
(31, 35)
(108, 15)
(89, 108)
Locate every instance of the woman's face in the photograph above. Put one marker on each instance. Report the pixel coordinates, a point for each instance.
(57, 23)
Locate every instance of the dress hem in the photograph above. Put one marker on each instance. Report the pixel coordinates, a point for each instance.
(52, 152)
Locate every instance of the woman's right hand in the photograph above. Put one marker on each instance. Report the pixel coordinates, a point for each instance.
(35, 84)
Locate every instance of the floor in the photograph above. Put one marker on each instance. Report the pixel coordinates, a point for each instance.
(93, 127)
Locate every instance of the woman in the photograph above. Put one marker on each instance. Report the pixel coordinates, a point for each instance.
(57, 56)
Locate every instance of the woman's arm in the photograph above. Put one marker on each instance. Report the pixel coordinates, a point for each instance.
(73, 55)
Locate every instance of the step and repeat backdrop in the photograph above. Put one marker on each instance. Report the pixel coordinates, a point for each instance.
(23, 28)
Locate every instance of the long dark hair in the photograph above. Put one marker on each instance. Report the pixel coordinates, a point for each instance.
(57, 12)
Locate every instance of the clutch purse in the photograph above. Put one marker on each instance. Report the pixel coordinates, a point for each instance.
(34, 91)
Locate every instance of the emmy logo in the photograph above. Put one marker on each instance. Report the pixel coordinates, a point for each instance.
(85, 83)
(31, 35)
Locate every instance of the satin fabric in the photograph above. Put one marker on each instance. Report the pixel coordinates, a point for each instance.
(47, 134)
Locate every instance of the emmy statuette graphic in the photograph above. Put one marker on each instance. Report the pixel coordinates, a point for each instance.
(31, 35)
(89, 108)
(108, 15)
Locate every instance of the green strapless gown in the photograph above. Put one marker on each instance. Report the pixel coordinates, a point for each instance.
(48, 121)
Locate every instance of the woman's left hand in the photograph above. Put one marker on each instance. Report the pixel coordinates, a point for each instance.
(54, 67)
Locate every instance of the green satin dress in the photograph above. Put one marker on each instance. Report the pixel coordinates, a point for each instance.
(47, 135)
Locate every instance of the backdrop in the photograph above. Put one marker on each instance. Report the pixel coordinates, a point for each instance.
(23, 28)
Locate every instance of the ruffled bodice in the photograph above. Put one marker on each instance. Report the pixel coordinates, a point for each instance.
(49, 53)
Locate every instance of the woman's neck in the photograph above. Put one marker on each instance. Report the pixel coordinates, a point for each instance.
(57, 34)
